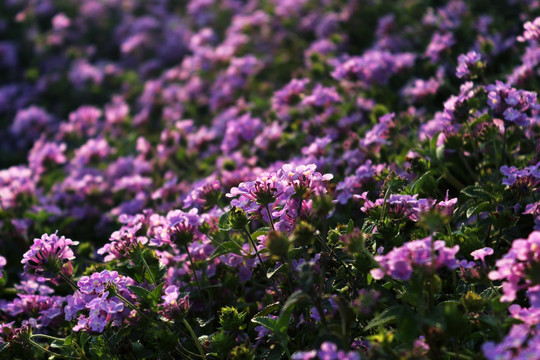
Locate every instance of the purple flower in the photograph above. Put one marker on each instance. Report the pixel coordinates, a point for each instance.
(380, 132)
(439, 43)
(29, 124)
(518, 266)
(400, 262)
(327, 351)
(183, 227)
(45, 153)
(123, 243)
(373, 67)
(289, 95)
(528, 177)
(281, 193)
(240, 131)
(15, 182)
(468, 64)
(49, 255)
(322, 97)
(173, 304)
(94, 300)
(3, 263)
(510, 104)
(447, 206)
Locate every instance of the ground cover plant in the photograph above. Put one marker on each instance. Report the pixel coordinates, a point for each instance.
(272, 179)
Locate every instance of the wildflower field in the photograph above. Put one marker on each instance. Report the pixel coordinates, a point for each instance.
(269, 179)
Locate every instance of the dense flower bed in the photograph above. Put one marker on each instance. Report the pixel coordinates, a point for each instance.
(305, 179)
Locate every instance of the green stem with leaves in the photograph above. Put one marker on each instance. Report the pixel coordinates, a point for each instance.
(196, 279)
(36, 345)
(270, 217)
(195, 339)
(246, 230)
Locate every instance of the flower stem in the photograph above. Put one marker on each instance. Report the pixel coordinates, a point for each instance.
(261, 261)
(36, 345)
(270, 217)
(71, 283)
(504, 146)
(196, 279)
(147, 268)
(195, 339)
(47, 337)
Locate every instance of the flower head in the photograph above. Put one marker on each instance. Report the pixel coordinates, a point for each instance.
(49, 255)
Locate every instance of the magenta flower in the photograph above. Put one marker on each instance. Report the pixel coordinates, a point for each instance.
(49, 255)
(532, 31)
(3, 263)
(123, 243)
(480, 254)
(278, 194)
(173, 304)
(467, 64)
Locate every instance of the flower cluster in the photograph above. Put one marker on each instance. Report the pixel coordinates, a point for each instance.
(511, 104)
(400, 262)
(529, 176)
(99, 298)
(468, 64)
(374, 67)
(280, 194)
(519, 268)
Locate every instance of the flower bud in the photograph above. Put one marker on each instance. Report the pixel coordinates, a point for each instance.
(473, 302)
(230, 319)
(238, 219)
(278, 244)
(303, 233)
(242, 352)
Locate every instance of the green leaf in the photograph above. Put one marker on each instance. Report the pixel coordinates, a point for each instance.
(268, 309)
(141, 292)
(226, 247)
(260, 231)
(476, 192)
(267, 322)
(294, 299)
(223, 223)
(485, 206)
(272, 272)
(155, 294)
(419, 183)
(350, 226)
(383, 318)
